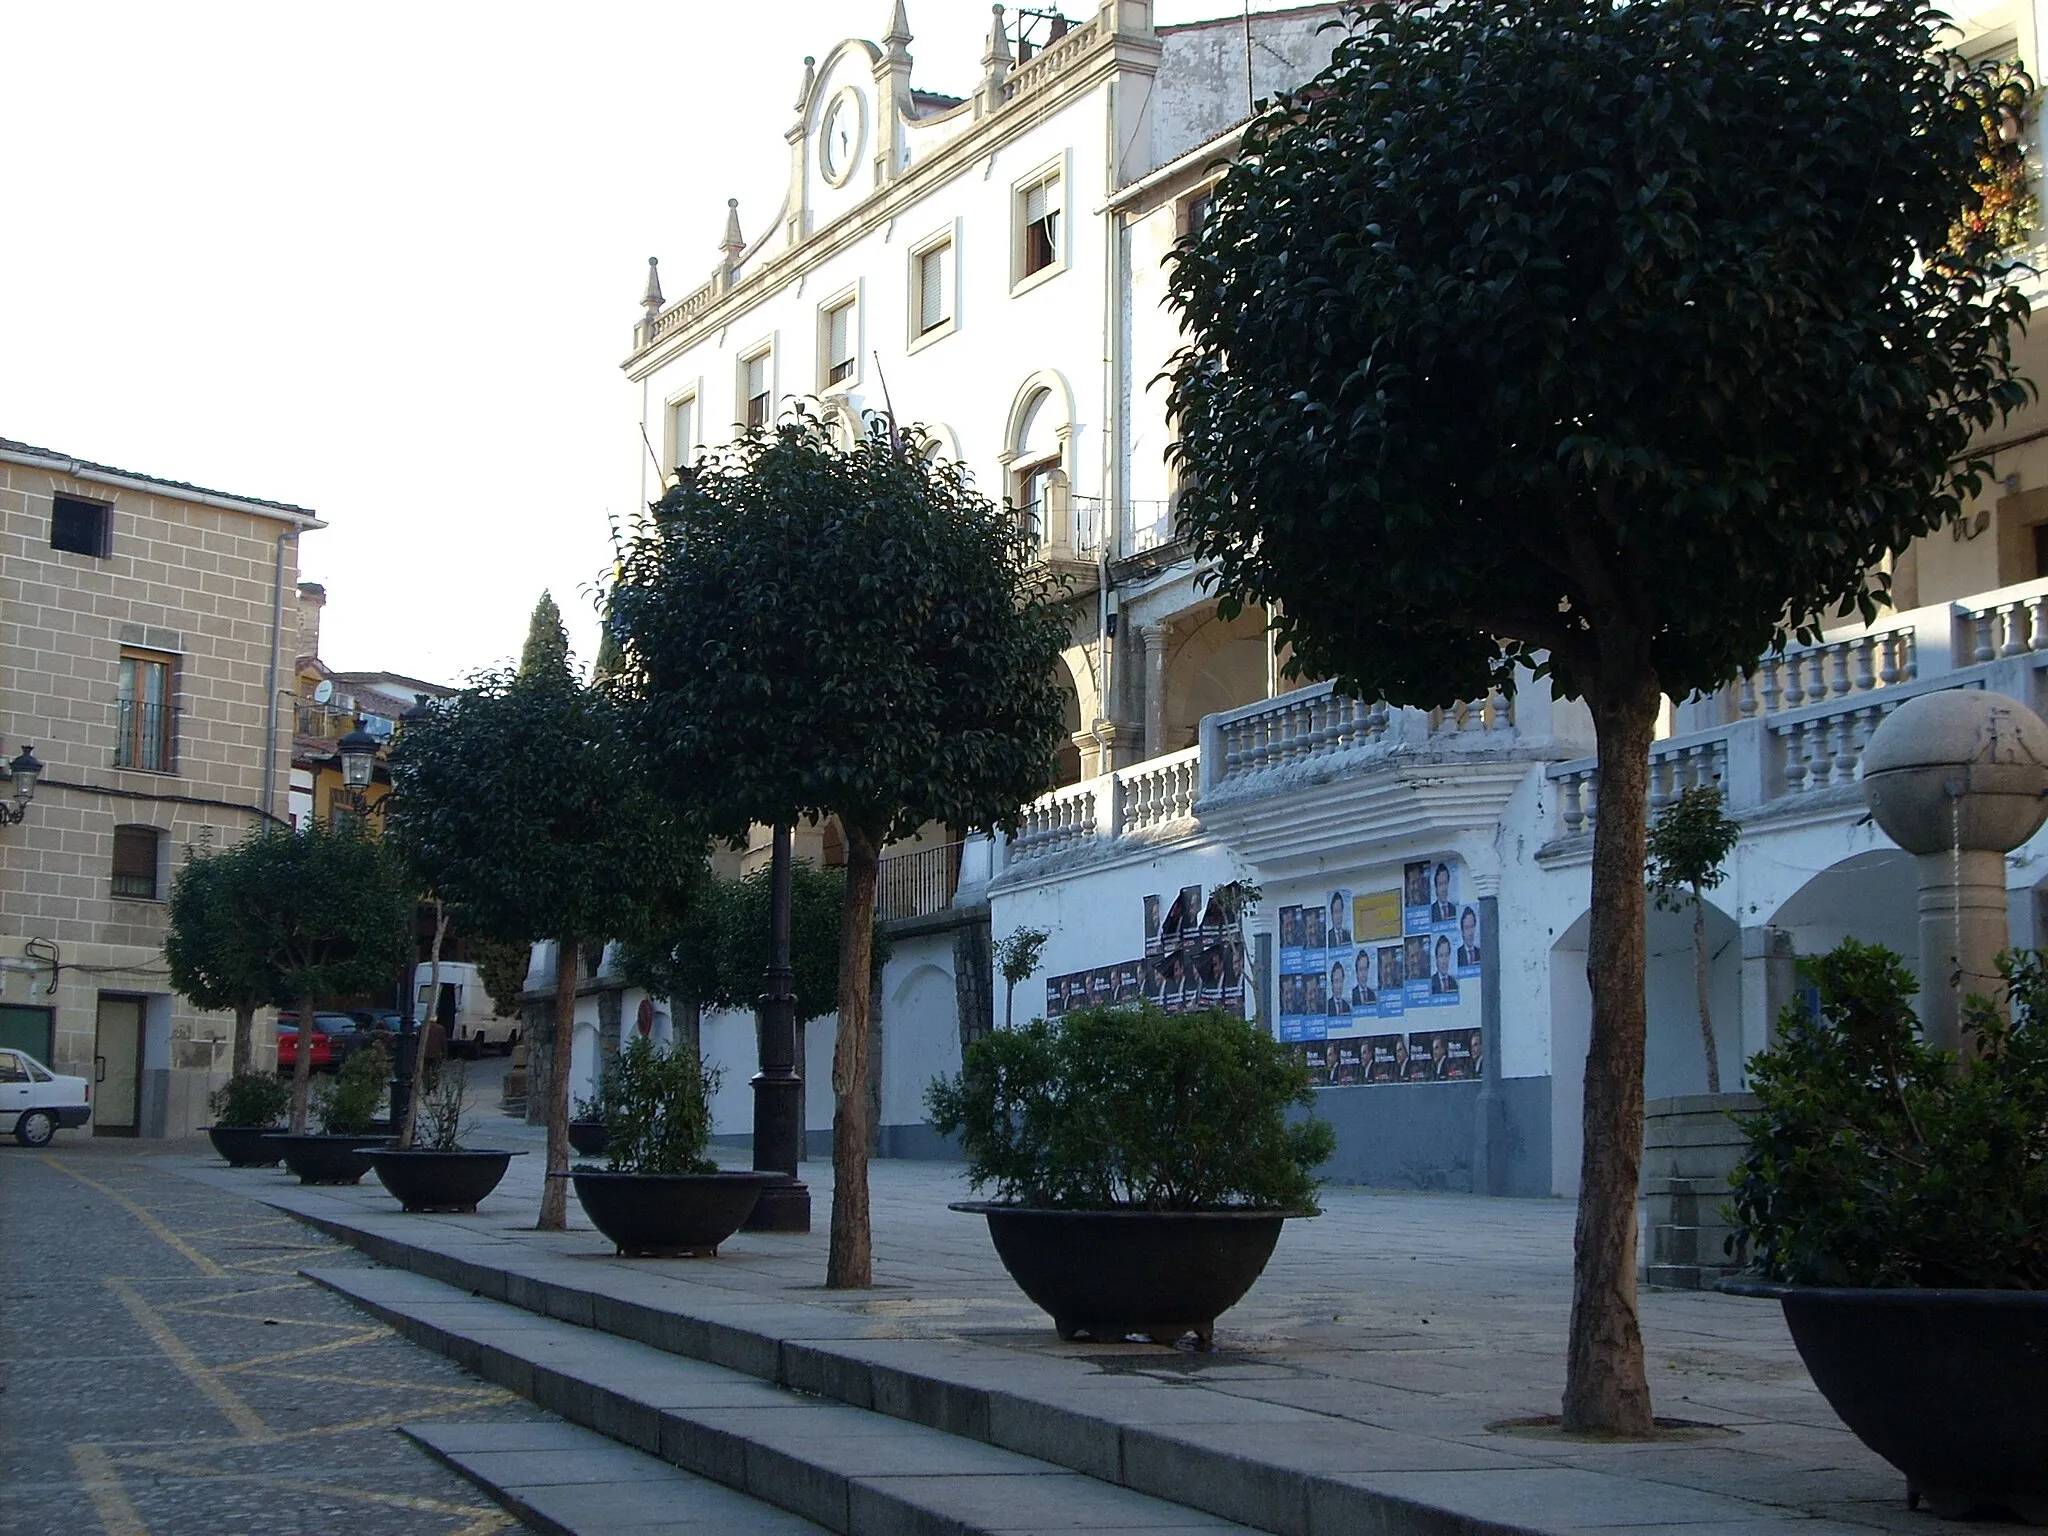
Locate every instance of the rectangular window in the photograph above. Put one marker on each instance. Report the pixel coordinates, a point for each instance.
(934, 308)
(135, 861)
(81, 527)
(756, 391)
(142, 712)
(1197, 212)
(1040, 217)
(840, 341)
(682, 433)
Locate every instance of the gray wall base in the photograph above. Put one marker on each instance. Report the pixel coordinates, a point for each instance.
(1424, 1135)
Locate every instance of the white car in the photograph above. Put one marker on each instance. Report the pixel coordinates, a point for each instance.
(34, 1101)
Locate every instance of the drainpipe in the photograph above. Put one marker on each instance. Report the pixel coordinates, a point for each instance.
(270, 708)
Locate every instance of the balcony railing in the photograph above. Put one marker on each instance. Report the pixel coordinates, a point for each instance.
(1153, 794)
(1318, 722)
(918, 883)
(143, 736)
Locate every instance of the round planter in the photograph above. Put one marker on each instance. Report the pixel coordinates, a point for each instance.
(668, 1215)
(326, 1159)
(245, 1146)
(1949, 1386)
(425, 1180)
(589, 1138)
(1111, 1273)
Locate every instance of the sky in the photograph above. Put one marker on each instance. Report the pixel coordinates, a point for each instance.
(383, 260)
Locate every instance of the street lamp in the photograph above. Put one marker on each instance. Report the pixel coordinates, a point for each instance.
(358, 758)
(24, 771)
(784, 1206)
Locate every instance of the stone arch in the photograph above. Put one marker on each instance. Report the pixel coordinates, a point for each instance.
(1872, 896)
(1211, 666)
(1038, 452)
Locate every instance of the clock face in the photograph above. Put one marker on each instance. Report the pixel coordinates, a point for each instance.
(840, 144)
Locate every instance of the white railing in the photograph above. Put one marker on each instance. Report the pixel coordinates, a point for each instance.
(2011, 622)
(1154, 793)
(1318, 721)
(1147, 796)
(1811, 674)
(1054, 821)
(682, 312)
(1051, 61)
(918, 883)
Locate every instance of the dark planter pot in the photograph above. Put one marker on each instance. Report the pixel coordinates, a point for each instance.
(326, 1159)
(1949, 1386)
(245, 1146)
(425, 1180)
(589, 1138)
(1112, 1273)
(669, 1215)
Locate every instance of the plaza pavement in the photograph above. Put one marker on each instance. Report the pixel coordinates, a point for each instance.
(1382, 1353)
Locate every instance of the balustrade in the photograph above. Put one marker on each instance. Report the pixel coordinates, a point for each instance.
(918, 883)
(1803, 675)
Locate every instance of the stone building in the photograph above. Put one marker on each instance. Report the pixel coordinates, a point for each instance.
(997, 256)
(143, 626)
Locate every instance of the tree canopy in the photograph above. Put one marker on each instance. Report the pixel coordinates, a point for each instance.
(1620, 342)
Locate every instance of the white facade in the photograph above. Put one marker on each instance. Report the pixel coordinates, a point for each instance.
(1032, 352)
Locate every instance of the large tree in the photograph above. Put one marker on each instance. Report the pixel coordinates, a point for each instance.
(287, 918)
(1620, 342)
(811, 632)
(520, 802)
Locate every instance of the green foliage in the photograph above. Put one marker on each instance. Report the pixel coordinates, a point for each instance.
(1689, 842)
(348, 1105)
(2007, 212)
(1017, 953)
(439, 1126)
(1618, 340)
(1874, 1161)
(250, 1099)
(520, 802)
(656, 1107)
(716, 954)
(1112, 1107)
(502, 967)
(546, 652)
(811, 632)
(286, 915)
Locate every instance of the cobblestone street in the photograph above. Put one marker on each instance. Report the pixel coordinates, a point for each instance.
(163, 1368)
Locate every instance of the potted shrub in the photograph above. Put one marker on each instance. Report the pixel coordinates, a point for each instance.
(1142, 1164)
(347, 1112)
(661, 1197)
(246, 1108)
(438, 1173)
(587, 1135)
(1896, 1204)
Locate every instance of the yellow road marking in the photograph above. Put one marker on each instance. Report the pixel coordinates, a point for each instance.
(118, 1515)
(412, 1501)
(300, 1354)
(238, 1413)
(205, 1265)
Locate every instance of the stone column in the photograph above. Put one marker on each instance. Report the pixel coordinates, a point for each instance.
(1154, 636)
(1956, 778)
(1769, 977)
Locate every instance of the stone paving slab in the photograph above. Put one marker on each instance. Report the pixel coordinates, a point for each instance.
(586, 1485)
(1394, 1320)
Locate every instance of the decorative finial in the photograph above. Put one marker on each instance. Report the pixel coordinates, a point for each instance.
(733, 244)
(995, 64)
(803, 95)
(896, 41)
(651, 300)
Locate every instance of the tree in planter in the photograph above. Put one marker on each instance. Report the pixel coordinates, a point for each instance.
(812, 632)
(348, 1105)
(216, 959)
(657, 1109)
(1687, 846)
(1562, 322)
(1016, 955)
(521, 803)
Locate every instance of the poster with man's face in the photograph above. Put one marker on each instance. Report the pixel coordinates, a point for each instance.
(1415, 970)
(1339, 930)
(1469, 951)
(1392, 989)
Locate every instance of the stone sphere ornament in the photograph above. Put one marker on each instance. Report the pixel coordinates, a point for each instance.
(1959, 768)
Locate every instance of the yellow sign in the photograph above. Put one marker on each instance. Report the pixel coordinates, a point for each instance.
(1377, 916)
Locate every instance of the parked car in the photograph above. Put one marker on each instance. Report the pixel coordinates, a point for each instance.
(35, 1102)
(362, 1027)
(322, 1057)
(464, 1009)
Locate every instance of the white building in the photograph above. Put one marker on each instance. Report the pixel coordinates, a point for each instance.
(992, 265)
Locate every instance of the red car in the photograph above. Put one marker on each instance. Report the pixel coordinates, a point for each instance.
(322, 1059)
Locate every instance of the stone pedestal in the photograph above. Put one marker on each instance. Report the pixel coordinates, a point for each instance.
(1690, 1147)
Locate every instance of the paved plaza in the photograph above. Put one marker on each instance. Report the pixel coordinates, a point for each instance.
(1389, 1346)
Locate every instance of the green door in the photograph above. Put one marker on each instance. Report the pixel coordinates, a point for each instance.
(28, 1029)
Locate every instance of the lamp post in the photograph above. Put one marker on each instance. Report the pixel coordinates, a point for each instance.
(778, 1088)
(23, 772)
(358, 751)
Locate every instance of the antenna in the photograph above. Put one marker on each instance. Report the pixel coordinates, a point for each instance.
(895, 437)
(660, 474)
(1247, 58)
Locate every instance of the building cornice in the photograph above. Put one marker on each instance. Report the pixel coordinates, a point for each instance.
(169, 490)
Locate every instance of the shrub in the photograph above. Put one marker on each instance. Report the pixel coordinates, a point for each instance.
(657, 1110)
(1876, 1160)
(439, 1126)
(250, 1099)
(348, 1106)
(1128, 1107)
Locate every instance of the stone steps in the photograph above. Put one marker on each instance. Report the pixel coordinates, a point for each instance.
(843, 1469)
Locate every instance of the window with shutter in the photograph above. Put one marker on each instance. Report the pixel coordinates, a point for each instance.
(757, 401)
(839, 344)
(932, 309)
(682, 433)
(143, 710)
(135, 859)
(1041, 225)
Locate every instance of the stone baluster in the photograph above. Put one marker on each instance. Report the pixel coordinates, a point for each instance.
(1840, 655)
(1793, 763)
(1985, 648)
(1846, 749)
(1892, 671)
(1745, 698)
(1866, 676)
(1574, 786)
(1795, 694)
(2037, 623)
(2018, 638)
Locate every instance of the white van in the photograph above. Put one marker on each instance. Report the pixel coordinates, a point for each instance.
(463, 1009)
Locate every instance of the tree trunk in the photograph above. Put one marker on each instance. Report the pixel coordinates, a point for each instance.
(1009, 1003)
(851, 1262)
(245, 1038)
(1699, 971)
(554, 1200)
(302, 1068)
(419, 1031)
(1607, 1389)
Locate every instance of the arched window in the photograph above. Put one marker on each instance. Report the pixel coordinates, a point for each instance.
(1038, 478)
